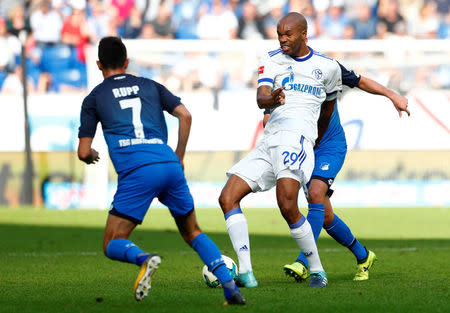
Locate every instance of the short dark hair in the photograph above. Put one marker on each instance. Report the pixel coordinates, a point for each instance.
(112, 53)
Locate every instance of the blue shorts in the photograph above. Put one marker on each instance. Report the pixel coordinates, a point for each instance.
(329, 158)
(137, 189)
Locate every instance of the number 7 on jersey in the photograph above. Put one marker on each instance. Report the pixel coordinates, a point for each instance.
(135, 105)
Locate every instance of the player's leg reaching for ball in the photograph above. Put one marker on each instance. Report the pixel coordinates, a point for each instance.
(300, 228)
(329, 159)
(236, 189)
(316, 216)
(340, 232)
(116, 246)
(210, 255)
(172, 190)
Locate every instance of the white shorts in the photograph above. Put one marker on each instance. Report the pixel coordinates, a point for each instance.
(285, 154)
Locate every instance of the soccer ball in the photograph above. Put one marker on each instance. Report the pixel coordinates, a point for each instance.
(211, 279)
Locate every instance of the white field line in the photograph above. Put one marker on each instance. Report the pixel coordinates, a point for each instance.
(259, 251)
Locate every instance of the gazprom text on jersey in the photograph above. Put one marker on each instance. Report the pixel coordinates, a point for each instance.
(316, 91)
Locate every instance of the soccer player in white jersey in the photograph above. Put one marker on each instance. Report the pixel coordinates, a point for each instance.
(293, 83)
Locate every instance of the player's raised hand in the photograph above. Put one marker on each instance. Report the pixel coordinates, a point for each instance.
(278, 96)
(400, 104)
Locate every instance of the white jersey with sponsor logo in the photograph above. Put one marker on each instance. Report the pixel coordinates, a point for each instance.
(309, 81)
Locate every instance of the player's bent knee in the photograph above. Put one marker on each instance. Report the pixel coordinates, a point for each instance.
(316, 196)
(227, 201)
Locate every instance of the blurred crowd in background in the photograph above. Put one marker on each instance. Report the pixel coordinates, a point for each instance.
(59, 31)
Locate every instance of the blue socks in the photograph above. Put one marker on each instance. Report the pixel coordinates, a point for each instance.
(125, 250)
(211, 256)
(316, 216)
(342, 234)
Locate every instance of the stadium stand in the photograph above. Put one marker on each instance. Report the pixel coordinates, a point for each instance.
(60, 30)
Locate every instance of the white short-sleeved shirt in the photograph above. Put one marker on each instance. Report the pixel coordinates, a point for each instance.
(309, 81)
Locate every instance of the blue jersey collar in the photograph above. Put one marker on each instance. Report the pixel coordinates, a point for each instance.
(307, 57)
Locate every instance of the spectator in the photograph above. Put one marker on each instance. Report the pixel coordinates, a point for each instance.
(263, 7)
(17, 21)
(185, 17)
(113, 21)
(349, 32)
(443, 6)
(271, 21)
(388, 13)
(444, 28)
(219, 23)
(236, 6)
(307, 9)
(365, 25)
(98, 22)
(13, 83)
(64, 7)
(382, 32)
(334, 23)
(163, 22)
(75, 32)
(124, 8)
(46, 24)
(9, 48)
(249, 25)
(6, 6)
(150, 8)
(427, 23)
(321, 7)
(148, 32)
(6, 55)
(133, 24)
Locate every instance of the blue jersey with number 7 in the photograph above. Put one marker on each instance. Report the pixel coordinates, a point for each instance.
(130, 110)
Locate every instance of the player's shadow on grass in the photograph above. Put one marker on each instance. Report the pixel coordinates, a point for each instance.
(266, 249)
(31, 238)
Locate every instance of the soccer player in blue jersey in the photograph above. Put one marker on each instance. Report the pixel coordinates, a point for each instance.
(329, 152)
(130, 110)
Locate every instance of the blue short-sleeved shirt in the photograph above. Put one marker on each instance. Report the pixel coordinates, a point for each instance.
(130, 110)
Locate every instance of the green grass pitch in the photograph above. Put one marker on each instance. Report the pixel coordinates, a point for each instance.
(51, 261)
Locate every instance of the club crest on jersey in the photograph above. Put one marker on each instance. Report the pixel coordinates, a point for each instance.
(317, 73)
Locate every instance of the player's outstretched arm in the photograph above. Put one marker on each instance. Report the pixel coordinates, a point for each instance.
(371, 86)
(184, 128)
(85, 152)
(267, 99)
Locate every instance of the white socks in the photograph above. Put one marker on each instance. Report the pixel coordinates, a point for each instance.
(238, 231)
(305, 239)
